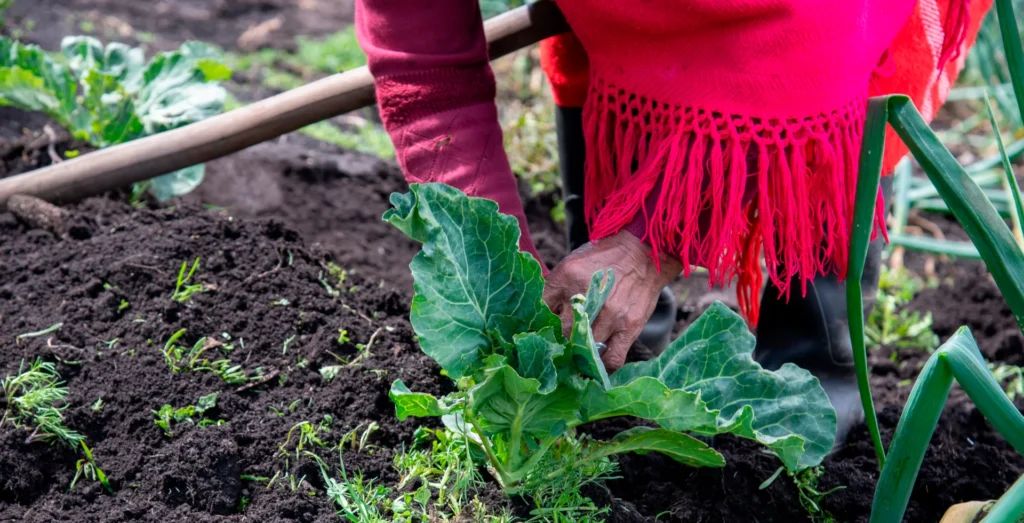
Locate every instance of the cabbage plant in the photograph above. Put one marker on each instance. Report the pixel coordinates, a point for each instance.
(111, 95)
(521, 386)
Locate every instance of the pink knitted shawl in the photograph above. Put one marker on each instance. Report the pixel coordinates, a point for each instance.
(694, 100)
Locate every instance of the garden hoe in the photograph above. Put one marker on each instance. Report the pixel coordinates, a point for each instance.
(122, 165)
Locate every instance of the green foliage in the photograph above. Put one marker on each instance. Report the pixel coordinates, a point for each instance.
(167, 416)
(367, 137)
(358, 500)
(523, 387)
(532, 143)
(306, 435)
(36, 398)
(4, 6)
(806, 482)
(86, 468)
(491, 8)
(338, 52)
(988, 63)
(183, 291)
(957, 359)
(438, 482)
(1011, 377)
(969, 204)
(180, 358)
(111, 95)
(890, 324)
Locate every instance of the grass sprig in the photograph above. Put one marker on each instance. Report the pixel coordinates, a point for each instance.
(36, 398)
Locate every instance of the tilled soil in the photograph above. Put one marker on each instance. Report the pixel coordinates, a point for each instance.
(265, 294)
(265, 298)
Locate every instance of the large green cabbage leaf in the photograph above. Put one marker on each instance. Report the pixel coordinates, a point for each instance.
(522, 385)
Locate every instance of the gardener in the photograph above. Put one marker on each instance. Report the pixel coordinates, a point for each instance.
(691, 133)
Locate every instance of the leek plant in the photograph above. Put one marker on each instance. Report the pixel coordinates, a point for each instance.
(959, 358)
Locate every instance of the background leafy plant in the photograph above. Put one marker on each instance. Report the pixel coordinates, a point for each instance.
(111, 95)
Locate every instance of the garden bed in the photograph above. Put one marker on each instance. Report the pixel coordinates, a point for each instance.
(295, 207)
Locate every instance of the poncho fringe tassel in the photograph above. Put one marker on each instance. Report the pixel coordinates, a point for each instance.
(700, 163)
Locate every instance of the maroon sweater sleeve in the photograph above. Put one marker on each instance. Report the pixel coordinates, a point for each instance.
(436, 95)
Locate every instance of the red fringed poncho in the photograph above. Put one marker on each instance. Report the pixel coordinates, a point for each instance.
(716, 129)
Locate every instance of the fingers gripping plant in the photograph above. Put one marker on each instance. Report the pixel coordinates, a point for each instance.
(959, 358)
(522, 386)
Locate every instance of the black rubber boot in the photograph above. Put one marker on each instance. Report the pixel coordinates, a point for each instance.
(813, 331)
(571, 157)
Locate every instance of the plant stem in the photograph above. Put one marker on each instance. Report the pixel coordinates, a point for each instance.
(503, 477)
(972, 374)
(914, 431)
(1009, 507)
(860, 240)
(515, 439)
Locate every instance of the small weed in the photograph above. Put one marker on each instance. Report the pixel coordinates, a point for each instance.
(378, 373)
(183, 290)
(97, 405)
(1011, 377)
(358, 440)
(180, 359)
(563, 500)
(363, 353)
(334, 280)
(438, 481)
(283, 302)
(49, 330)
(330, 372)
(806, 482)
(891, 325)
(167, 416)
(123, 306)
(358, 500)
(287, 342)
(87, 468)
(306, 435)
(36, 398)
(137, 197)
(110, 344)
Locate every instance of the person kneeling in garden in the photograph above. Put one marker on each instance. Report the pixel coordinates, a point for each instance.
(691, 133)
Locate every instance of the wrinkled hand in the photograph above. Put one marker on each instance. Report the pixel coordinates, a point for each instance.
(632, 300)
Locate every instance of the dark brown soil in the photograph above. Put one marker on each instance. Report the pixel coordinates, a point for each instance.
(162, 25)
(294, 205)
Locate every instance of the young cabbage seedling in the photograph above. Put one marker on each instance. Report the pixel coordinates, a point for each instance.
(87, 468)
(522, 386)
(168, 415)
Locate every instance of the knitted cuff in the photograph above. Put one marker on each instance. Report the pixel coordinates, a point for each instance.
(405, 98)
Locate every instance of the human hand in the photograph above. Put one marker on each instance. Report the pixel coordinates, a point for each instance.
(632, 300)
